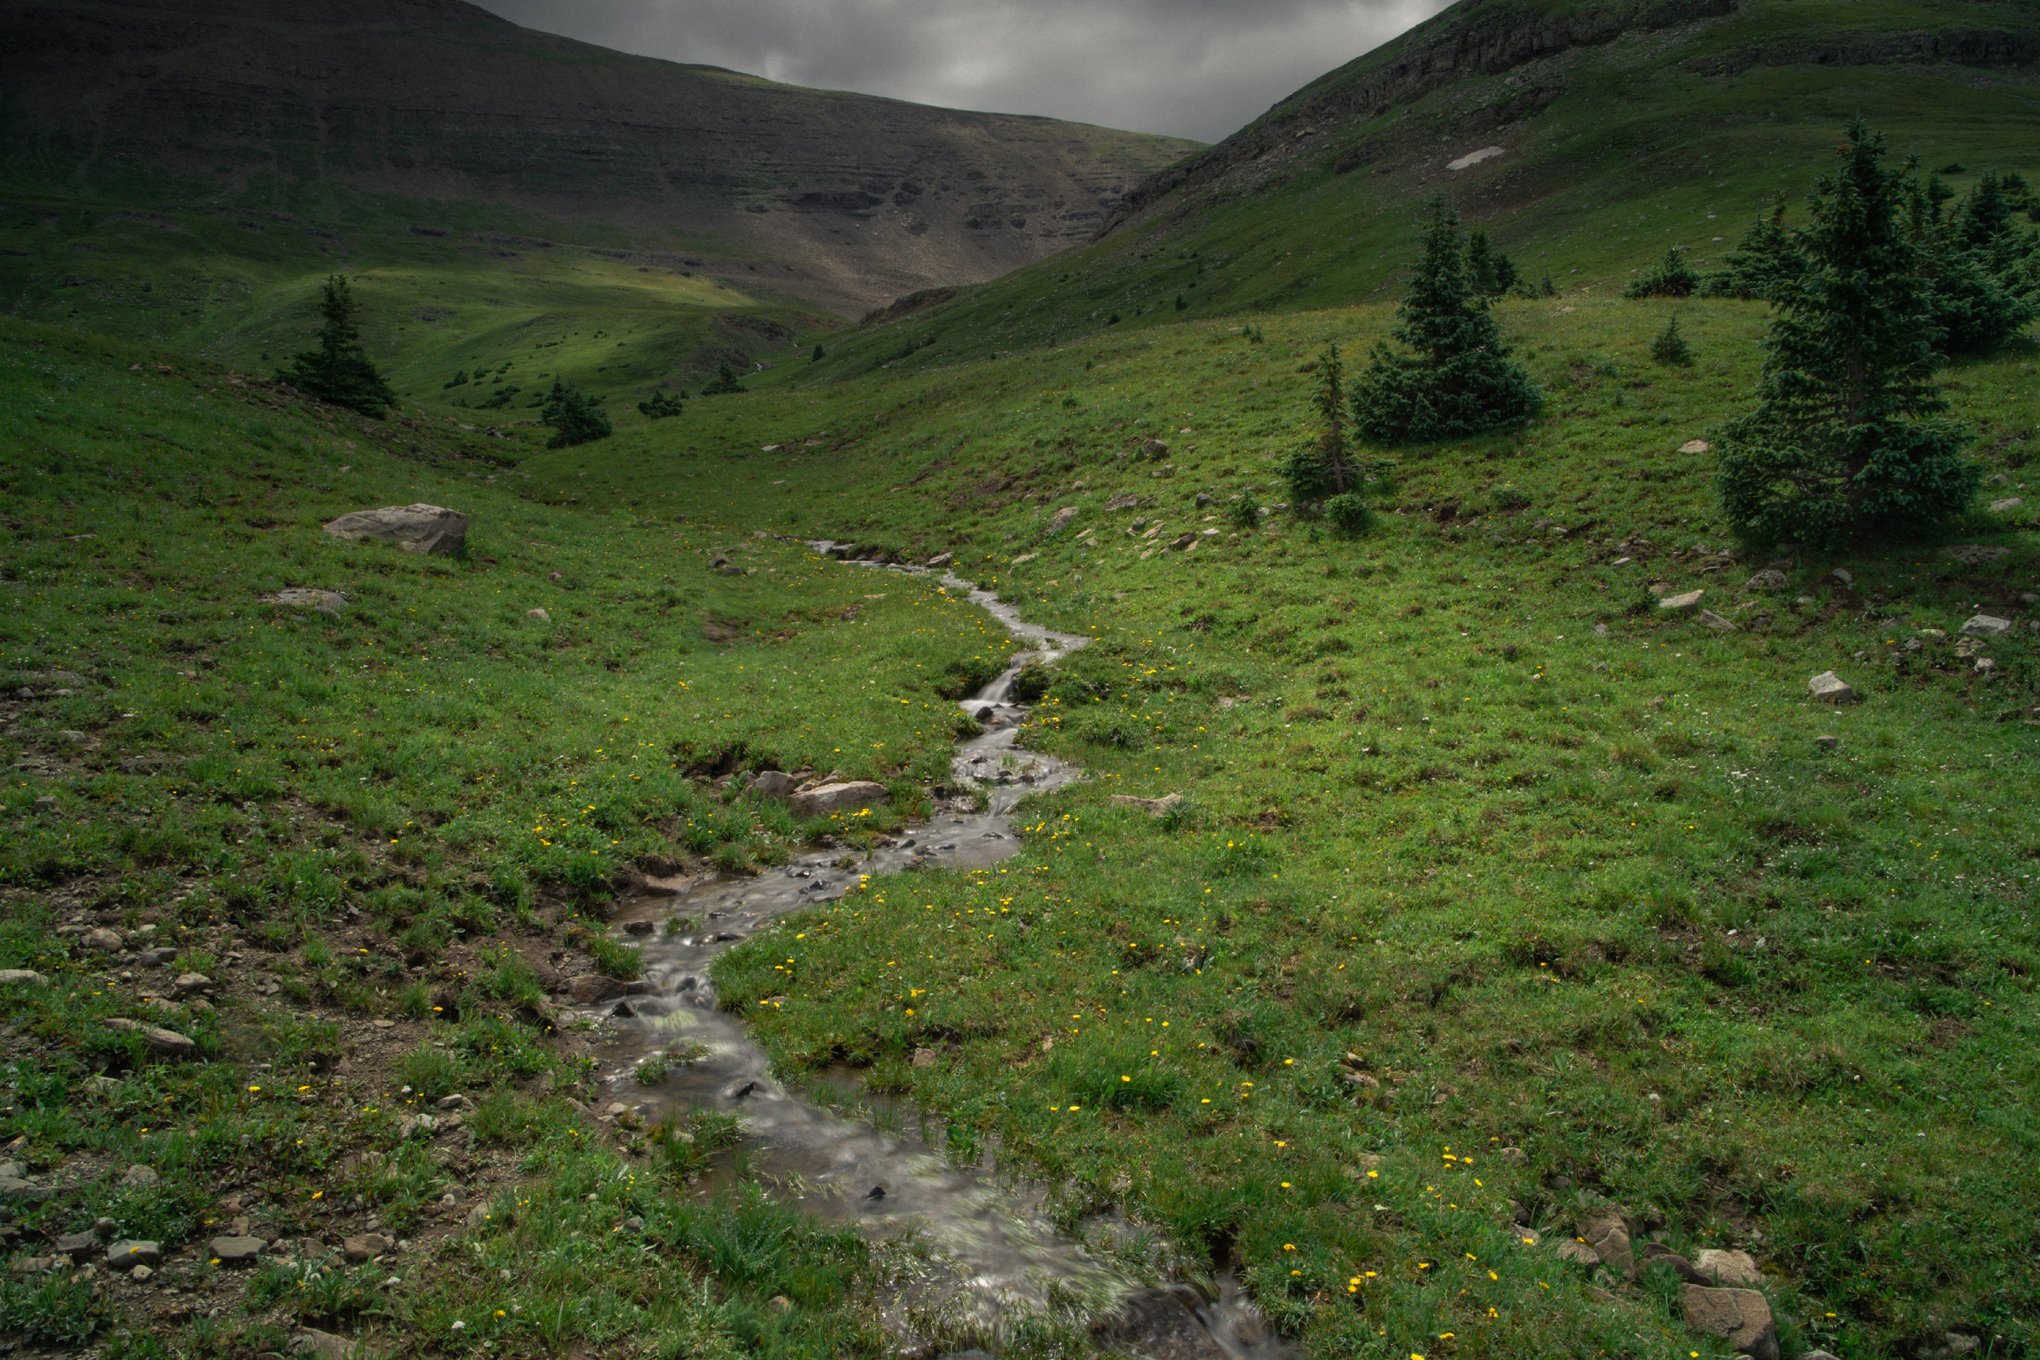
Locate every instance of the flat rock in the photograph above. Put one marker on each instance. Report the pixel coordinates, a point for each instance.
(165, 1043)
(1682, 604)
(130, 1252)
(364, 1247)
(1061, 520)
(19, 1190)
(1768, 579)
(78, 1246)
(102, 939)
(1696, 446)
(1987, 625)
(1830, 688)
(189, 983)
(1999, 507)
(414, 528)
(323, 1345)
(538, 614)
(1579, 1253)
(829, 799)
(236, 1251)
(1153, 807)
(140, 1178)
(1737, 1269)
(1710, 619)
(1741, 1317)
(21, 977)
(1975, 554)
(306, 597)
(941, 559)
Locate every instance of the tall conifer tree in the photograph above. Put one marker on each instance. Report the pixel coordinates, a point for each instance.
(339, 371)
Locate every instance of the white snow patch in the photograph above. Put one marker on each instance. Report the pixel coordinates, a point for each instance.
(1473, 158)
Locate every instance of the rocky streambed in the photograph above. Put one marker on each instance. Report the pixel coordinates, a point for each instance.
(993, 1263)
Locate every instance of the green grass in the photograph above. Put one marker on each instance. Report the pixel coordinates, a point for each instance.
(1600, 900)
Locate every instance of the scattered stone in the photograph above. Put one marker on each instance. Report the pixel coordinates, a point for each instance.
(924, 1058)
(1607, 1232)
(46, 803)
(1696, 446)
(166, 1043)
(1975, 554)
(73, 738)
(1827, 743)
(36, 1265)
(140, 1178)
(1127, 501)
(779, 1303)
(829, 799)
(1579, 1253)
(364, 1247)
(323, 1345)
(1682, 604)
(1153, 448)
(592, 988)
(134, 1252)
(1741, 1317)
(302, 597)
(942, 559)
(1061, 520)
(538, 614)
(1842, 576)
(1720, 625)
(1154, 807)
(414, 528)
(2000, 507)
(142, 1274)
(236, 1251)
(1986, 625)
(1183, 543)
(188, 984)
(107, 941)
(1737, 1269)
(1830, 688)
(774, 784)
(1770, 578)
(1656, 1253)
(78, 1246)
(21, 977)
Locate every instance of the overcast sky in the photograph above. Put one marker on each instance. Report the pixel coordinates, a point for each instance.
(1195, 68)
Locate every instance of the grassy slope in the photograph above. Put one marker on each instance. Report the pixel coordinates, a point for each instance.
(407, 812)
(1601, 899)
(1651, 143)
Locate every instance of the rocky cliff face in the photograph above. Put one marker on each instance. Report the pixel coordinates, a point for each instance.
(844, 200)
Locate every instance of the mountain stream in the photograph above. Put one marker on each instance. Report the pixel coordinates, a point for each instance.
(991, 1260)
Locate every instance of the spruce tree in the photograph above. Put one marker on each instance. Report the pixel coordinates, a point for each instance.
(576, 417)
(1670, 347)
(662, 405)
(1767, 258)
(1848, 438)
(1982, 272)
(1325, 468)
(1491, 273)
(724, 384)
(1457, 378)
(339, 371)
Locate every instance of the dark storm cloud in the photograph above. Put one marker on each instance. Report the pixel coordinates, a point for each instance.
(1196, 68)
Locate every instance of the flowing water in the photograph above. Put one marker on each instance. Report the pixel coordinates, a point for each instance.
(994, 1260)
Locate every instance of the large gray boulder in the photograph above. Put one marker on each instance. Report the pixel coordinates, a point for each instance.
(1741, 1317)
(414, 528)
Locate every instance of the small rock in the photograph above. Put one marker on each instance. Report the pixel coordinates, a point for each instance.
(779, 1303)
(1827, 743)
(300, 597)
(142, 1274)
(740, 1090)
(1153, 448)
(1737, 1269)
(774, 784)
(134, 1252)
(102, 939)
(941, 559)
(140, 1178)
(78, 1246)
(829, 799)
(1830, 688)
(593, 988)
(1999, 507)
(1681, 604)
(1742, 1317)
(21, 977)
(1842, 576)
(1579, 1253)
(167, 1043)
(1696, 446)
(236, 1251)
(189, 983)
(1768, 579)
(1154, 807)
(46, 803)
(323, 1345)
(364, 1247)
(1987, 625)
(538, 614)
(1607, 1232)
(1713, 620)
(924, 1058)
(1061, 520)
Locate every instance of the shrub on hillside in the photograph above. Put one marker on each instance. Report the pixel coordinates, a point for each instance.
(1491, 273)
(1764, 262)
(1670, 277)
(575, 417)
(725, 383)
(1670, 347)
(1453, 375)
(1848, 438)
(662, 406)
